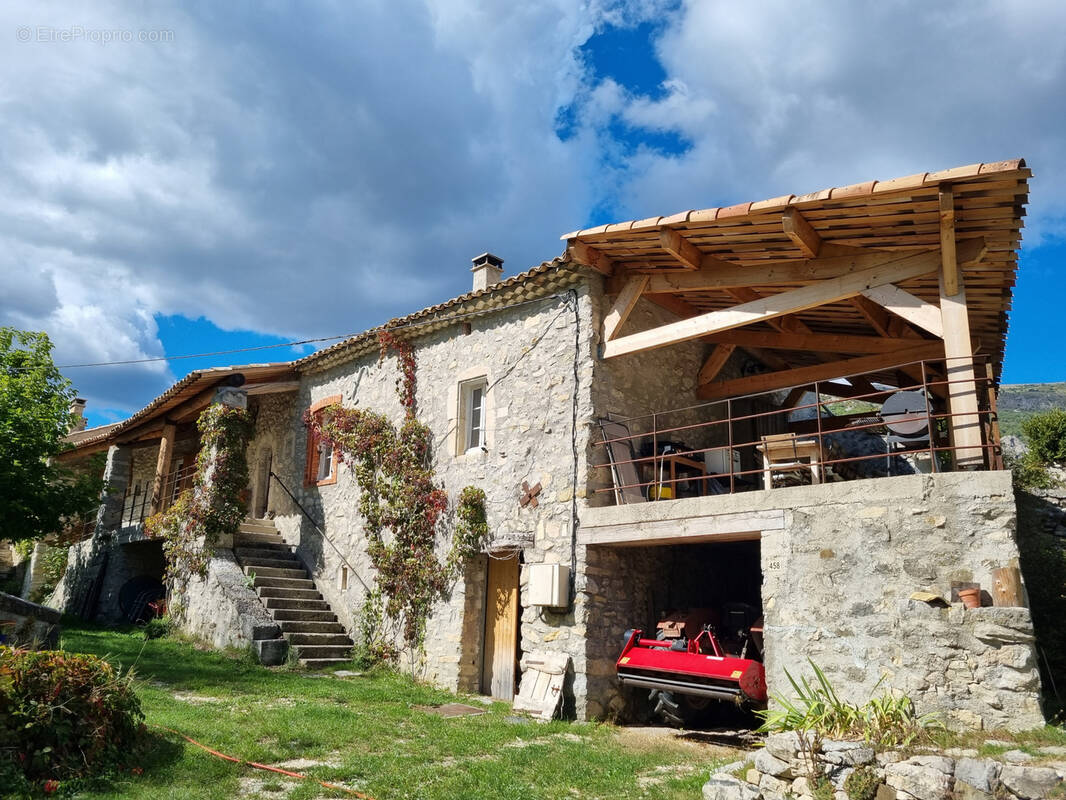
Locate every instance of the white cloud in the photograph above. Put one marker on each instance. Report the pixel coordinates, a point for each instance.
(313, 171)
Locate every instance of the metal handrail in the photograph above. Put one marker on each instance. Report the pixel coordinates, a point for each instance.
(986, 416)
(316, 526)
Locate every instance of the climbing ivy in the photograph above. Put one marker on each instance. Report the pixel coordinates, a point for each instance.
(212, 505)
(401, 503)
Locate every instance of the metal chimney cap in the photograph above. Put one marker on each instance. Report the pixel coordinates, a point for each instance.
(487, 259)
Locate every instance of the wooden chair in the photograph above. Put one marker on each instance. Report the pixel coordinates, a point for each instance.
(784, 452)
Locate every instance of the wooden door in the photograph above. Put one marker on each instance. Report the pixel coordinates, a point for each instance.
(501, 629)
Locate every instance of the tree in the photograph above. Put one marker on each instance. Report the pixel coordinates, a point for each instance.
(38, 496)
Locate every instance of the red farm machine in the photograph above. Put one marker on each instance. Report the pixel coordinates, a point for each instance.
(695, 660)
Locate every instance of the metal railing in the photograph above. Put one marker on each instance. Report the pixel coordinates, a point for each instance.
(748, 424)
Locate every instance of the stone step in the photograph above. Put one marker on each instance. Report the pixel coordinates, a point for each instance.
(321, 663)
(257, 525)
(295, 627)
(275, 572)
(273, 603)
(246, 553)
(323, 651)
(256, 539)
(334, 639)
(292, 594)
(279, 563)
(283, 583)
(284, 615)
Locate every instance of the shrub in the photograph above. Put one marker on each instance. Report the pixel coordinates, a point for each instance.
(1028, 472)
(157, 627)
(1045, 433)
(63, 716)
(886, 721)
(862, 784)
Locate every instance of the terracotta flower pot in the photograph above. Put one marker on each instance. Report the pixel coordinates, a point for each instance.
(971, 598)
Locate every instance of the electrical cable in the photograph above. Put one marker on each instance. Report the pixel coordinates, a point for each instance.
(266, 767)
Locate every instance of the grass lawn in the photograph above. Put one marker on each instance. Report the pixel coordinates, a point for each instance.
(364, 733)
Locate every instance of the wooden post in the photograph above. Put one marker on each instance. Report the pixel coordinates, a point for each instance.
(965, 422)
(1007, 589)
(162, 464)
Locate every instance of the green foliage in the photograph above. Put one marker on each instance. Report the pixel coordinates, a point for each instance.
(1045, 433)
(24, 548)
(399, 495)
(1027, 472)
(54, 565)
(862, 784)
(157, 627)
(37, 495)
(63, 716)
(823, 789)
(212, 505)
(886, 721)
(375, 644)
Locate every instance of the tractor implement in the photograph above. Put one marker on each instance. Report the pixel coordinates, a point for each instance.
(694, 667)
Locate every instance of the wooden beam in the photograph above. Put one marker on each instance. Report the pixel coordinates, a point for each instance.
(274, 387)
(819, 372)
(714, 363)
(590, 257)
(965, 422)
(874, 314)
(904, 304)
(771, 360)
(785, 324)
(675, 305)
(949, 264)
(826, 342)
(799, 230)
(722, 275)
(623, 306)
(778, 305)
(162, 466)
(904, 267)
(680, 248)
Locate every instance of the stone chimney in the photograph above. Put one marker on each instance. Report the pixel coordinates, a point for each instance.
(77, 413)
(487, 269)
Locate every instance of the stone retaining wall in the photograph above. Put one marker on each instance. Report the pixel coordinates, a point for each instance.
(28, 624)
(792, 764)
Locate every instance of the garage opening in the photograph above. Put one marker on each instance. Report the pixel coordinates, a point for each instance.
(697, 661)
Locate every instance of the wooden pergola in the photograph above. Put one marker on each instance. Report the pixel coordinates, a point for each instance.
(848, 280)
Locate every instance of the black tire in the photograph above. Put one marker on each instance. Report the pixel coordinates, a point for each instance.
(678, 710)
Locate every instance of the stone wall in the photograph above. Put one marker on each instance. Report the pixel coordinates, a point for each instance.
(839, 564)
(27, 623)
(527, 355)
(222, 609)
(838, 577)
(792, 765)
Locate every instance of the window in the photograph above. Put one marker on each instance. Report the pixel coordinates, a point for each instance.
(321, 468)
(472, 398)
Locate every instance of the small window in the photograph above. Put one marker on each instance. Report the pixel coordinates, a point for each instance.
(321, 458)
(472, 397)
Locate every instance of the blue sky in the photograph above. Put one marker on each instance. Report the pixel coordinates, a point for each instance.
(254, 174)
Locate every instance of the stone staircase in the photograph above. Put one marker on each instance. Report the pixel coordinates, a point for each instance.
(289, 594)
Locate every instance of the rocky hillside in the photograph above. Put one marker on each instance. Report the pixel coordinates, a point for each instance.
(1019, 401)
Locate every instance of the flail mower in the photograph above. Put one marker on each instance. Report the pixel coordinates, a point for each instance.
(688, 666)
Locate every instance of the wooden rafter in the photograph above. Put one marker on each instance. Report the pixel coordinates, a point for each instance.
(905, 267)
(714, 363)
(818, 372)
(905, 305)
(623, 306)
(591, 257)
(799, 230)
(825, 342)
(723, 276)
(680, 248)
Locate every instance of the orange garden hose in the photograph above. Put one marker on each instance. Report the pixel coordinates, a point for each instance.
(267, 767)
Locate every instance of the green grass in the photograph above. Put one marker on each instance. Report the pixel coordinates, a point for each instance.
(368, 734)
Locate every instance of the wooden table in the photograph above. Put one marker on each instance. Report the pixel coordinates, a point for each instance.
(785, 451)
(675, 460)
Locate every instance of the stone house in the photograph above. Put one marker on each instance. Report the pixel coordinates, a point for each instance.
(684, 411)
